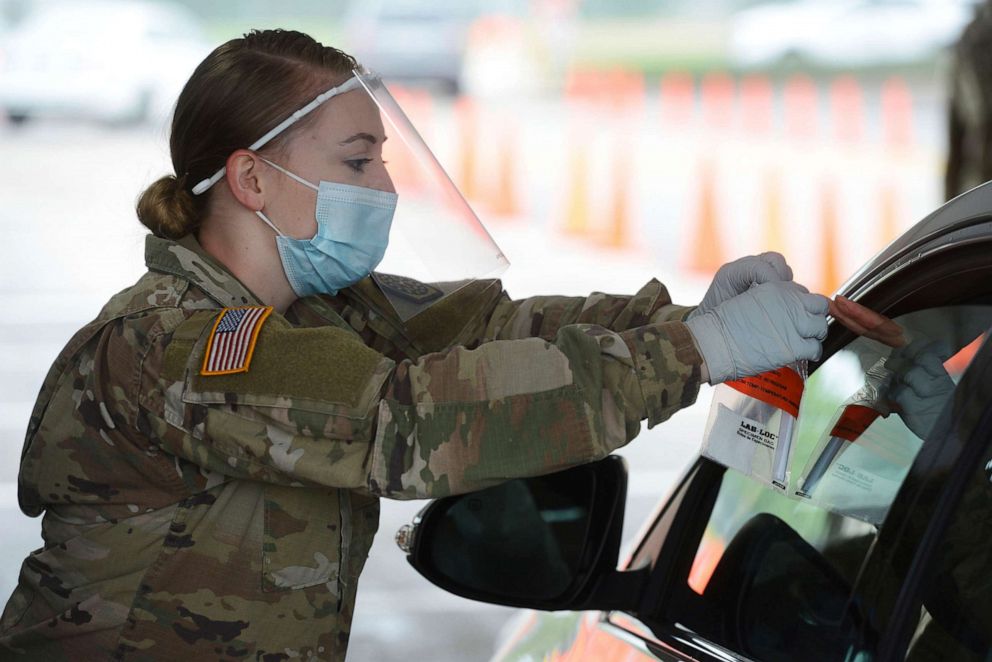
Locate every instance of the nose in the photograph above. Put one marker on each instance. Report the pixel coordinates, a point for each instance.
(384, 182)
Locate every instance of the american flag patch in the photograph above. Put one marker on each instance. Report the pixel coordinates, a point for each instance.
(232, 340)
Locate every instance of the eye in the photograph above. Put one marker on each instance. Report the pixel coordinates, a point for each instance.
(358, 165)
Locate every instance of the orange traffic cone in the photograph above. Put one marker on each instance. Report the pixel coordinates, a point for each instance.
(705, 254)
(890, 215)
(577, 205)
(757, 104)
(677, 99)
(847, 109)
(465, 111)
(801, 107)
(620, 209)
(717, 96)
(504, 201)
(897, 113)
(774, 239)
(830, 278)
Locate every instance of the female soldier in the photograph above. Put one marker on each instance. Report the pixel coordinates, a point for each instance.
(209, 452)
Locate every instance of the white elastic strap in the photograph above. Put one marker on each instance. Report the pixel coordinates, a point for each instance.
(272, 225)
(289, 174)
(346, 86)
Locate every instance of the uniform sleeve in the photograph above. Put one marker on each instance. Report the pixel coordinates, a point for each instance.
(317, 406)
(545, 316)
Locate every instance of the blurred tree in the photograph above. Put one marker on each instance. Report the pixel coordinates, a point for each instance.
(969, 160)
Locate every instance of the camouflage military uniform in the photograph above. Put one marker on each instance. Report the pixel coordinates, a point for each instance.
(192, 517)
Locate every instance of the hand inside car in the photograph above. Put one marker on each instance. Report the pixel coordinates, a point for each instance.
(920, 386)
(866, 322)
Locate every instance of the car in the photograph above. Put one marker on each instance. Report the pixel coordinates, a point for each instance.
(845, 33)
(115, 61)
(891, 560)
(462, 45)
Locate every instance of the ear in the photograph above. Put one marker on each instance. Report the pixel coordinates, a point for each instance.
(244, 179)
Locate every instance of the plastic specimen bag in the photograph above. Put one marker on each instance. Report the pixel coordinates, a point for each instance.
(856, 468)
(752, 424)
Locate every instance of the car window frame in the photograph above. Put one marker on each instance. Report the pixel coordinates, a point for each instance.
(700, 487)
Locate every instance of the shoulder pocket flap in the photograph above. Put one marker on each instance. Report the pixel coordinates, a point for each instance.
(325, 370)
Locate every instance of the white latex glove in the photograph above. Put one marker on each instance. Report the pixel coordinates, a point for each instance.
(738, 276)
(769, 326)
(921, 387)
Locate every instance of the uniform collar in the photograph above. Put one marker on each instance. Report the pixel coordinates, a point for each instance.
(186, 259)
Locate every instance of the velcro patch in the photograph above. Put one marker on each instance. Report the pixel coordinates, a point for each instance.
(407, 288)
(232, 340)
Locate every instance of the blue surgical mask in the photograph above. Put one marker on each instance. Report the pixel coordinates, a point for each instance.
(352, 233)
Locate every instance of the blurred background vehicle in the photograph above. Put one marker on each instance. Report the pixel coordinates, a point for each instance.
(460, 45)
(110, 60)
(845, 33)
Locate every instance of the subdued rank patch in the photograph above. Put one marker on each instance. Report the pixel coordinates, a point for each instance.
(232, 340)
(407, 288)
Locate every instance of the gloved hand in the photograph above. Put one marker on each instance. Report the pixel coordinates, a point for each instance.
(921, 387)
(769, 326)
(738, 276)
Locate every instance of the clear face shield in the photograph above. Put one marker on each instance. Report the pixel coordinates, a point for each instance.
(437, 244)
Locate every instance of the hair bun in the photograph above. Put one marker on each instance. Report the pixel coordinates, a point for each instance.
(167, 208)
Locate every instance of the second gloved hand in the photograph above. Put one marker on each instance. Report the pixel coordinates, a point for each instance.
(766, 327)
(738, 276)
(921, 387)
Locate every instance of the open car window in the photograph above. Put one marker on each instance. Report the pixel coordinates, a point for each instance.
(869, 407)
(773, 576)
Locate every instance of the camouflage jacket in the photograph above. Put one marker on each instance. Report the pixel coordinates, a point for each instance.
(228, 517)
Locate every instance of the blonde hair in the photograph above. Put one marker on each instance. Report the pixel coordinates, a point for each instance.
(241, 90)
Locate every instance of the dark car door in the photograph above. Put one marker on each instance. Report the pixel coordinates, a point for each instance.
(896, 554)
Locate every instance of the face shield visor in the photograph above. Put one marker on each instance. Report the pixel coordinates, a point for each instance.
(437, 244)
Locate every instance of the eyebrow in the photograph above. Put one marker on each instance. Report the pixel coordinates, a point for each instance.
(361, 136)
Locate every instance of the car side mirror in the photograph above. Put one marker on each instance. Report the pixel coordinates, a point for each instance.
(769, 576)
(547, 542)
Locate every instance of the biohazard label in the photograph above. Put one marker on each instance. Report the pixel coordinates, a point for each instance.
(782, 388)
(853, 422)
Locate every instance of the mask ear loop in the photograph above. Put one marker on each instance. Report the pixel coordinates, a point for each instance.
(289, 174)
(265, 218)
(272, 225)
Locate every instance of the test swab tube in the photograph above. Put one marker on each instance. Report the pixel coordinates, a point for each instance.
(780, 464)
(819, 470)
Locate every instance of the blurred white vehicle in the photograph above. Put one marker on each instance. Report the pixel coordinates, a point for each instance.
(465, 45)
(845, 33)
(109, 60)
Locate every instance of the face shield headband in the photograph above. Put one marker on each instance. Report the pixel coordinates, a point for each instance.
(350, 84)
